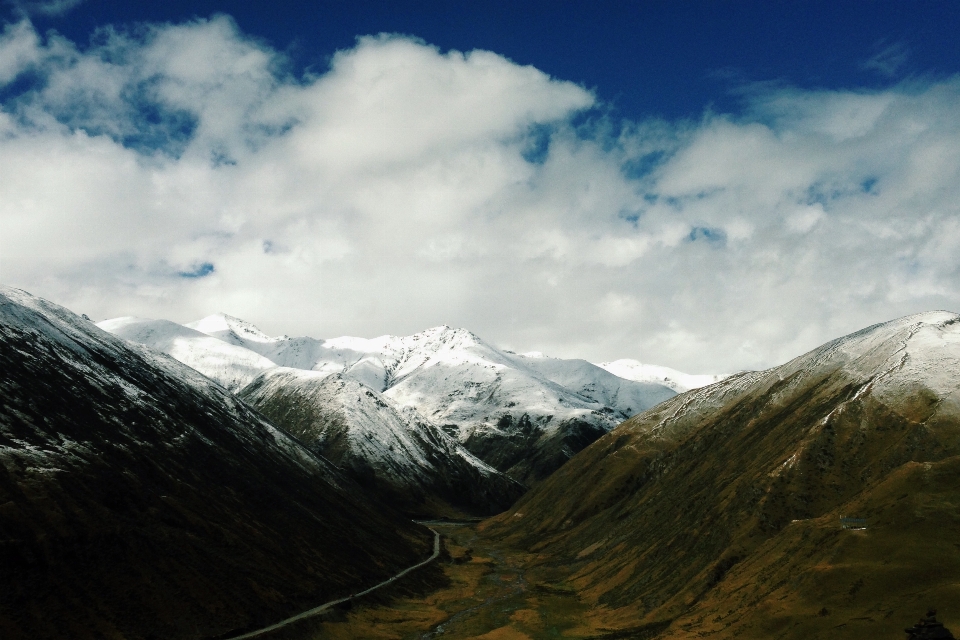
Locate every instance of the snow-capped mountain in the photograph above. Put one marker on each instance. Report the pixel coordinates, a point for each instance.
(406, 460)
(676, 380)
(232, 366)
(140, 499)
(626, 394)
(523, 414)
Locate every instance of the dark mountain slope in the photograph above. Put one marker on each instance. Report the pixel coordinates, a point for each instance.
(139, 499)
(412, 464)
(717, 512)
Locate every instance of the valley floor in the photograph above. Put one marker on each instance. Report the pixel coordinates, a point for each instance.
(489, 594)
(482, 588)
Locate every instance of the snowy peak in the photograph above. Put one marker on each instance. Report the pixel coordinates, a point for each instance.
(594, 384)
(126, 472)
(373, 429)
(920, 349)
(400, 456)
(230, 329)
(676, 380)
(443, 337)
(762, 465)
(441, 346)
(452, 378)
(230, 365)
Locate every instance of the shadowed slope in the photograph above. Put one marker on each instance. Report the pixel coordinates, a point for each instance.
(139, 499)
(717, 511)
(410, 463)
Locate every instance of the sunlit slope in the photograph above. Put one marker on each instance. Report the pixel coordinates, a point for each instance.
(231, 365)
(719, 509)
(140, 499)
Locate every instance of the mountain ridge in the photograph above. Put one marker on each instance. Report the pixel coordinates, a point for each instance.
(717, 512)
(525, 416)
(408, 463)
(139, 498)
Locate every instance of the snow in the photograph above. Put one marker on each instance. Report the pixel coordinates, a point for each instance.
(676, 380)
(398, 444)
(230, 329)
(890, 361)
(376, 429)
(446, 377)
(231, 366)
(452, 377)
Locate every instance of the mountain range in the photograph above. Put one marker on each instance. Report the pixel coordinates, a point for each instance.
(488, 412)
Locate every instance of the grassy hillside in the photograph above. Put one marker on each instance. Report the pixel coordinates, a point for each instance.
(717, 512)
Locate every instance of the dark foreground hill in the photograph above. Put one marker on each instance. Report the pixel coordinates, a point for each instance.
(138, 499)
(717, 513)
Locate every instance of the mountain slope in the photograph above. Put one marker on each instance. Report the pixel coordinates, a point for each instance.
(717, 512)
(524, 415)
(428, 476)
(408, 462)
(625, 396)
(139, 499)
(231, 365)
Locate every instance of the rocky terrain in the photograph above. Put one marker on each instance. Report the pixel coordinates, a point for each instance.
(817, 499)
(718, 513)
(140, 499)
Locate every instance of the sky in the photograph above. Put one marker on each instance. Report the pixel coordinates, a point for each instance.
(711, 186)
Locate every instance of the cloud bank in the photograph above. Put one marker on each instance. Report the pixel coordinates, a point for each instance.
(178, 170)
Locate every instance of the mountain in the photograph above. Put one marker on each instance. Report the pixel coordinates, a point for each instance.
(671, 378)
(232, 366)
(524, 415)
(139, 499)
(405, 460)
(718, 512)
(420, 468)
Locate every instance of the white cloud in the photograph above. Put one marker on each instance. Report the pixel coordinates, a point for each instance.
(18, 50)
(183, 171)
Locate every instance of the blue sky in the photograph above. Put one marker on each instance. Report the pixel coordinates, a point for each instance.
(710, 186)
(646, 58)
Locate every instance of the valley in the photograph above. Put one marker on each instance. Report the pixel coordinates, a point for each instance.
(144, 498)
(491, 591)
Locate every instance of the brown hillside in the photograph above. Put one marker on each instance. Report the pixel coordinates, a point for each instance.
(718, 511)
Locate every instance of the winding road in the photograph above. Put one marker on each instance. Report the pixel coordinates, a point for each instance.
(328, 605)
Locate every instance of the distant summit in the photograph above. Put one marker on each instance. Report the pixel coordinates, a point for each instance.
(231, 329)
(676, 380)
